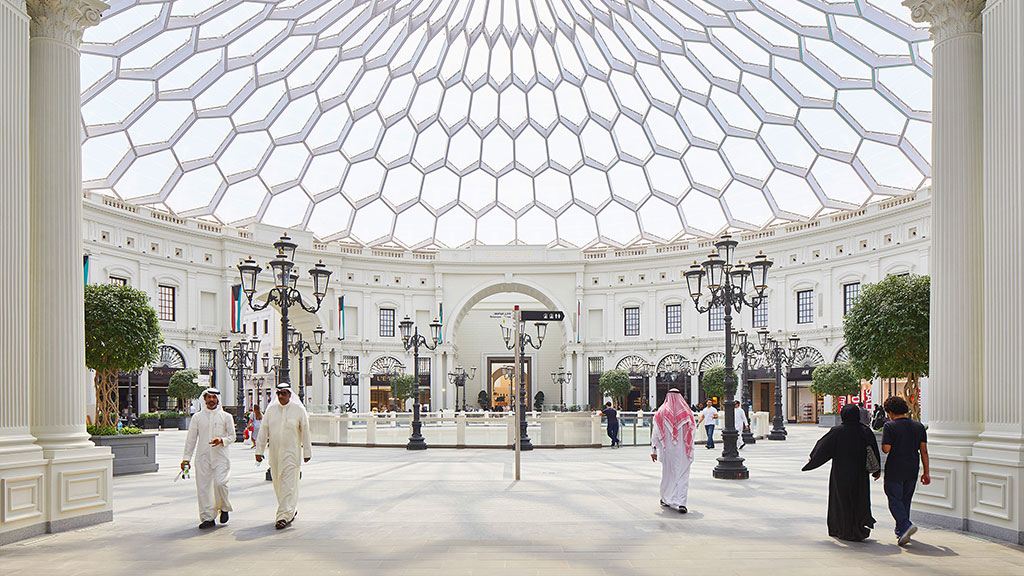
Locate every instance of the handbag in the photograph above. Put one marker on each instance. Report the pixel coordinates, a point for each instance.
(871, 461)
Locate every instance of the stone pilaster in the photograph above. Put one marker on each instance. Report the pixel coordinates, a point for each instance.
(22, 468)
(957, 295)
(79, 485)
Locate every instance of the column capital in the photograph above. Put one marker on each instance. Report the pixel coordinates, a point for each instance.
(948, 18)
(63, 20)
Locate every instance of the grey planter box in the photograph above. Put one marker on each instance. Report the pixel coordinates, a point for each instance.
(183, 425)
(133, 453)
(829, 420)
(172, 423)
(149, 423)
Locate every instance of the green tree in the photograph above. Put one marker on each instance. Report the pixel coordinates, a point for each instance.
(614, 384)
(402, 389)
(713, 382)
(835, 379)
(483, 399)
(122, 334)
(183, 386)
(538, 401)
(886, 333)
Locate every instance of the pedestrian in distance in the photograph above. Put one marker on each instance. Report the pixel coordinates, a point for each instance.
(672, 444)
(849, 493)
(708, 417)
(865, 416)
(740, 419)
(257, 422)
(210, 432)
(905, 441)
(613, 423)
(286, 428)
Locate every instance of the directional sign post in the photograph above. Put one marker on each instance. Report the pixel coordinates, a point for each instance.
(542, 315)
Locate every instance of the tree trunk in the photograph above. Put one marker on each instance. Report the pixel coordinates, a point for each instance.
(105, 383)
(912, 394)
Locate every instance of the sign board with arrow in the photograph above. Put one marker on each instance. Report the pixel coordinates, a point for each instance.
(542, 315)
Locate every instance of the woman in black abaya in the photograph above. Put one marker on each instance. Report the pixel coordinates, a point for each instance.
(849, 492)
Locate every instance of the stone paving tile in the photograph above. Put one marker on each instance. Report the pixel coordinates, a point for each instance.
(384, 512)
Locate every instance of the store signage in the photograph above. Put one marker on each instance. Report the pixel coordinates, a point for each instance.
(542, 315)
(800, 373)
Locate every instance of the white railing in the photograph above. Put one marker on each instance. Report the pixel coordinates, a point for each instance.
(494, 429)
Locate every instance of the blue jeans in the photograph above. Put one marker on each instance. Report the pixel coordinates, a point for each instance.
(613, 433)
(900, 492)
(711, 435)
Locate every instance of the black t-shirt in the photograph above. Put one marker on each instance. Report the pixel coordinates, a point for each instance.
(611, 415)
(905, 437)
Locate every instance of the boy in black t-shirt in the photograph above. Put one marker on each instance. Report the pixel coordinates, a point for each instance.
(902, 440)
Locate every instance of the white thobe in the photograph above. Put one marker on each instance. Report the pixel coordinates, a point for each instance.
(212, 464)
(740, 421)
(675, 466)
(287, 429)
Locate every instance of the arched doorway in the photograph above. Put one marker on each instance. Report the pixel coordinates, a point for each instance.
(803, 406)
(710, 361)
(637, 368)
(673, 372)
(381, 371)
(170, 361)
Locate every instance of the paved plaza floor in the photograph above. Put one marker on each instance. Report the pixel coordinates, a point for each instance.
(387, 511)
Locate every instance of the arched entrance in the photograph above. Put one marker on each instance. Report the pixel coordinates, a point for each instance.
(673, 372)
(381, 371)
(637, 368)
(803, 406)
(171, 360)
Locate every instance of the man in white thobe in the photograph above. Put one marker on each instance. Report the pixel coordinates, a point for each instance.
(210, 433)
(286, 427)
(741, 423)
(672, 444)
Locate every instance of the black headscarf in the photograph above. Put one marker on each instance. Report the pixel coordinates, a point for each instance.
(850, 414)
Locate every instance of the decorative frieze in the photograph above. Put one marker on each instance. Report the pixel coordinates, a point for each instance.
(63, 20)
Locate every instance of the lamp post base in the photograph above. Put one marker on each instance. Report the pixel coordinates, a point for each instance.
(416, 443)
(731, 469)
(525, 444)
(777, 434)
(748, 437)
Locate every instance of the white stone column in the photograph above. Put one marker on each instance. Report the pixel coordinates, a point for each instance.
(956, 367)
(996, 467)
(22, 466)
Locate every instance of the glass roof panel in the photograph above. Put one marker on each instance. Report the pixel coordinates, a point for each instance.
(561, 122)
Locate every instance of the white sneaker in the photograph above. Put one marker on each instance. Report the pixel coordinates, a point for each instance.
(905, 537)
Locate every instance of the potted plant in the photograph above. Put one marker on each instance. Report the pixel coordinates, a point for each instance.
(134, 452)
(886, 333)
(713, 382)
(171, 419)
(538, 401)
(149, 421)
(184, 386)
(122, 334)
(835, 379)
(483, 399)
(614, 384)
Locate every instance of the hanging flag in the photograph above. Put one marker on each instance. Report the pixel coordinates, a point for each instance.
(236, 308)
(85, 267)
(341, 316)
(578, 328)
(440, 319)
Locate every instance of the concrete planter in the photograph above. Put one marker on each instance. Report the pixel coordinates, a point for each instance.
(183, 425)
(829, 420)
(149, 423)
(172, 423)
(133, 453)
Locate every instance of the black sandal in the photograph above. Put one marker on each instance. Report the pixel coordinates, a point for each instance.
(280, 525)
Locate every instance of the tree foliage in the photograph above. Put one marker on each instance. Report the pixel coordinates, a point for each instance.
(713, 382)
(183, 387)
(122, 334)
(834, 379)
(886, 332)
(483, 399)
(614, 384)
(538, 401)
(402, 388)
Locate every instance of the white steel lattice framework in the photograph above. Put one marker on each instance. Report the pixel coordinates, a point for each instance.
(438, 123)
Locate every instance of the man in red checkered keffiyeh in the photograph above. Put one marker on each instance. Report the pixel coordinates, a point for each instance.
(672, 443)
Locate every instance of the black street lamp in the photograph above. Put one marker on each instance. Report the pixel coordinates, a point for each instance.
(561, 377)
(507, 333)
(330, 373)
(284, 293)
(412, 340)
(675, 370)
(644, 371)
(257, 385)
(350, 378)
(746, 349)
(241, 361)
(458, 378)
(774, 353)
(298, 346)
(727, 286)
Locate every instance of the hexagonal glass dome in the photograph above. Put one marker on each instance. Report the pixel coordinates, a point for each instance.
(441, 123)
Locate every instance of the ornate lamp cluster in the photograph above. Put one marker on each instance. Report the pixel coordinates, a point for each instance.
(413, 340)
(508, 335)
(240, 359)
(729, 286)
(561, 377)
(458, 378)
(776, 354)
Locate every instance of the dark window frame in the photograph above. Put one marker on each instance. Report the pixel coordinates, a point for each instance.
(851, 292)
(716, 319)
(167, 296)
(759, 314)
(631, 321)
(117, 281)
(805, 307)
(673, 319)
(386, 322)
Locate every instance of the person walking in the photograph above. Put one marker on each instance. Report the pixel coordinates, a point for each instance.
(905, 441)
(672, 443)
(865, 416)
(708, 416)
(257, 421)
(740, 420)
(849, 492)
(613, 423)
(213, 431)
(286, 428)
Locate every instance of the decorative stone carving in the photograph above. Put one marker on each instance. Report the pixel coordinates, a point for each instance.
(948, 18)
(63, 20)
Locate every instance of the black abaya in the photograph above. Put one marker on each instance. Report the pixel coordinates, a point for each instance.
(849, 490)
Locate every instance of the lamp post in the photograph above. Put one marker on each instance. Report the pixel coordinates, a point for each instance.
(775, 354)
(350, 378)
(742, 346)
(330, 373)
(674, 371)
(257, 384)
(727, 287)
(298, 347)
(284, 293)
(645, 371)
(241, 361)
(509, 333)
(458, 378)
(412, 340)
(561, 377)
